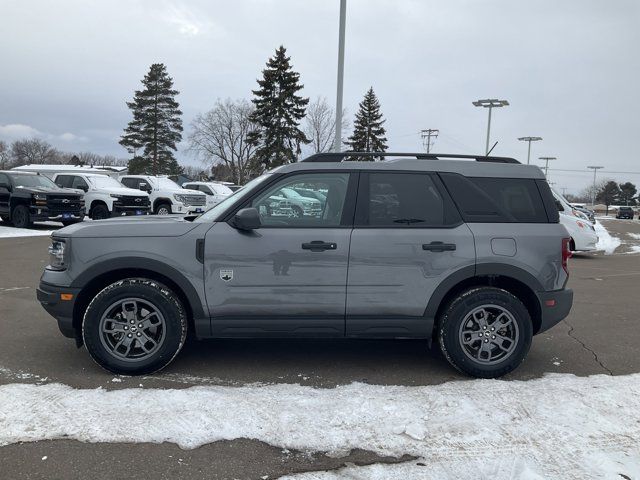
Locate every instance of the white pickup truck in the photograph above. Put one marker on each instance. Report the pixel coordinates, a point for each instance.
(104, 196)
(167, 196)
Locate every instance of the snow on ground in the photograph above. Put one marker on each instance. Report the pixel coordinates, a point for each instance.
(635, 236)
(605, 241)
(558, 426)
(40, 229)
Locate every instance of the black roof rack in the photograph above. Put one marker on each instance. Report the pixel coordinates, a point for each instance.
(333, 157)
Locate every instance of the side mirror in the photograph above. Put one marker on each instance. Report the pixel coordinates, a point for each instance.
(144, 187)
(246, 219)
(84, 188)
(559, 205)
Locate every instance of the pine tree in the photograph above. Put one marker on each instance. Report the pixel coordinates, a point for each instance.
(278, 112)
(156, 127)
(368, 132)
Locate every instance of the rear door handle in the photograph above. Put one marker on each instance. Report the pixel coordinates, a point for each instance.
(439, 246)
(319, 246)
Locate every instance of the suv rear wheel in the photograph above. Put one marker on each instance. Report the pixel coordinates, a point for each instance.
(486, 332)
(134, 326)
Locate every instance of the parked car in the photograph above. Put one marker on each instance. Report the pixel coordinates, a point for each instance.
(215, 192)
(582, 232)
(589, 213)
(29, 197)
(301, 205)
(104, 196)
(470, 254)
(166, 196)
(625, 212)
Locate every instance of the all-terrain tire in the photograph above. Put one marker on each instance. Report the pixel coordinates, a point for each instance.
(460, 308)
(149, 292)
(163, 209)
(99, 212)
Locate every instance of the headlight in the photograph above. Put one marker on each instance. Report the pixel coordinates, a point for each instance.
(39, 196)
(180, 198)
(56, 255)
(307, 204)
(115, 196)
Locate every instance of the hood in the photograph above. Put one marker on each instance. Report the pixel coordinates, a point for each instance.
(56, 190)
(188, 191)
(135, 226)
(131, 192)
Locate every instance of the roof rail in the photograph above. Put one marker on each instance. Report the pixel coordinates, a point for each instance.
(333, 157)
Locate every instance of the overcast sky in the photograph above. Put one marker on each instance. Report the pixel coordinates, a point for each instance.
(569, 68)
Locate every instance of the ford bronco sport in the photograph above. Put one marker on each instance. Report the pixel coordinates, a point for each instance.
(463, 250)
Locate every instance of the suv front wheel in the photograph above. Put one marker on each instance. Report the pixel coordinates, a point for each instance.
(134, 326)
(485, 332)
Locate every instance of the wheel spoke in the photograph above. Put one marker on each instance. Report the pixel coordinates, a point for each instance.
(144, 340)
(130, 310)
(498, 323)
(479, 338)
(125, 342)
(112, 325)
(150, 320)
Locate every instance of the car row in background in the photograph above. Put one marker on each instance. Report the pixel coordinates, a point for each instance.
(583, 237)
(67, 196)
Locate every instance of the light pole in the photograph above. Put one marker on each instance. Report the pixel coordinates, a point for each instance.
(546, 165)
(337, 145)
(490, 103)
(529, 140)
(593, 191)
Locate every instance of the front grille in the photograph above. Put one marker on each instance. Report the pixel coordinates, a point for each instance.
(132, 201)
(64, 203)
(194, 200)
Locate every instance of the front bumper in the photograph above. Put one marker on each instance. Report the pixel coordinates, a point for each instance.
(50, 298)
(125, 211)
(554, 307)
(43, 214)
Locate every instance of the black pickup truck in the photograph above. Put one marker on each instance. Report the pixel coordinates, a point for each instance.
(29, 197)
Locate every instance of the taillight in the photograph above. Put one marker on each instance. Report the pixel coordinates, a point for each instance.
(566, 254)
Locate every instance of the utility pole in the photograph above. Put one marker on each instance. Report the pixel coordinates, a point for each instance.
(546, 165)
(337, 146)
(529, 140)
(490, 103)
(426, 135)
(593, 191)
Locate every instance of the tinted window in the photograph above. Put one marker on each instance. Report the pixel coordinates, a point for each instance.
(4, 179)
(78, 182)
(130, 182)
(405, 200)
(64, 181)
(503, 200)
(281, 205)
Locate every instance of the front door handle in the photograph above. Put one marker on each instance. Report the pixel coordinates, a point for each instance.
(319, 246)
(439, 246)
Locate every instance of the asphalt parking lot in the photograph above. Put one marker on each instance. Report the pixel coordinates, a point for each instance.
(600, 336)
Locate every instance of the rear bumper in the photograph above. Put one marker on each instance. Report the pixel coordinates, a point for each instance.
(62, 310)
(554, 307)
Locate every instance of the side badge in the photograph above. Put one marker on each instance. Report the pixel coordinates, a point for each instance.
(226, 275)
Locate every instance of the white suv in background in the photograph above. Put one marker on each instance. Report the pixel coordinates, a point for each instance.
(215, 192)
(104, 196)
(583, 234)
(167, 196)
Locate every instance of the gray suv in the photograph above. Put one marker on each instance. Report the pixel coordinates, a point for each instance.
(463, 250)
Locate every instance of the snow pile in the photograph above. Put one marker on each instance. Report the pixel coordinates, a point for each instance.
(559, 426)
(7, 231)
(605, 241)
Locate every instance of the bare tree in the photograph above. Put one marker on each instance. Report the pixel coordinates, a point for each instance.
(32, 150)
(4, 155)
(220, 136)
(320, 125)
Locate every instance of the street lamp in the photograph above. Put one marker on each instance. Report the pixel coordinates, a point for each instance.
(529, 140)
(546, 165)
(490, 103)
(593, 191)
(337, 146)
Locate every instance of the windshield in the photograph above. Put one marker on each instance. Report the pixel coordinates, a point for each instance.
(104, 182)
(165, 183)
(32, 181)
(221, 189)
(213, 214)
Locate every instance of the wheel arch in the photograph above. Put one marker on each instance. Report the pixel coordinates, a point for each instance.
(97, 202)
(101, 275)
(159, 201)
(514, 280)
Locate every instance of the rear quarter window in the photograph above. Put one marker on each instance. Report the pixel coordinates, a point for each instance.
(499, 200)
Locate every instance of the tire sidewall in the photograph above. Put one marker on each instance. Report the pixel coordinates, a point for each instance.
(100, 209)
(165, 206)
(27, 220)
(455, 314)
(156, 294)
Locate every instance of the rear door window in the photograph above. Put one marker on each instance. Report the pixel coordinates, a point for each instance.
(403, 200)
(64, 181)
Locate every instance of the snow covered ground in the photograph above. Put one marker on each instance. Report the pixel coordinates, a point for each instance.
(41, 229)
(606, 242)
(558, 426)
